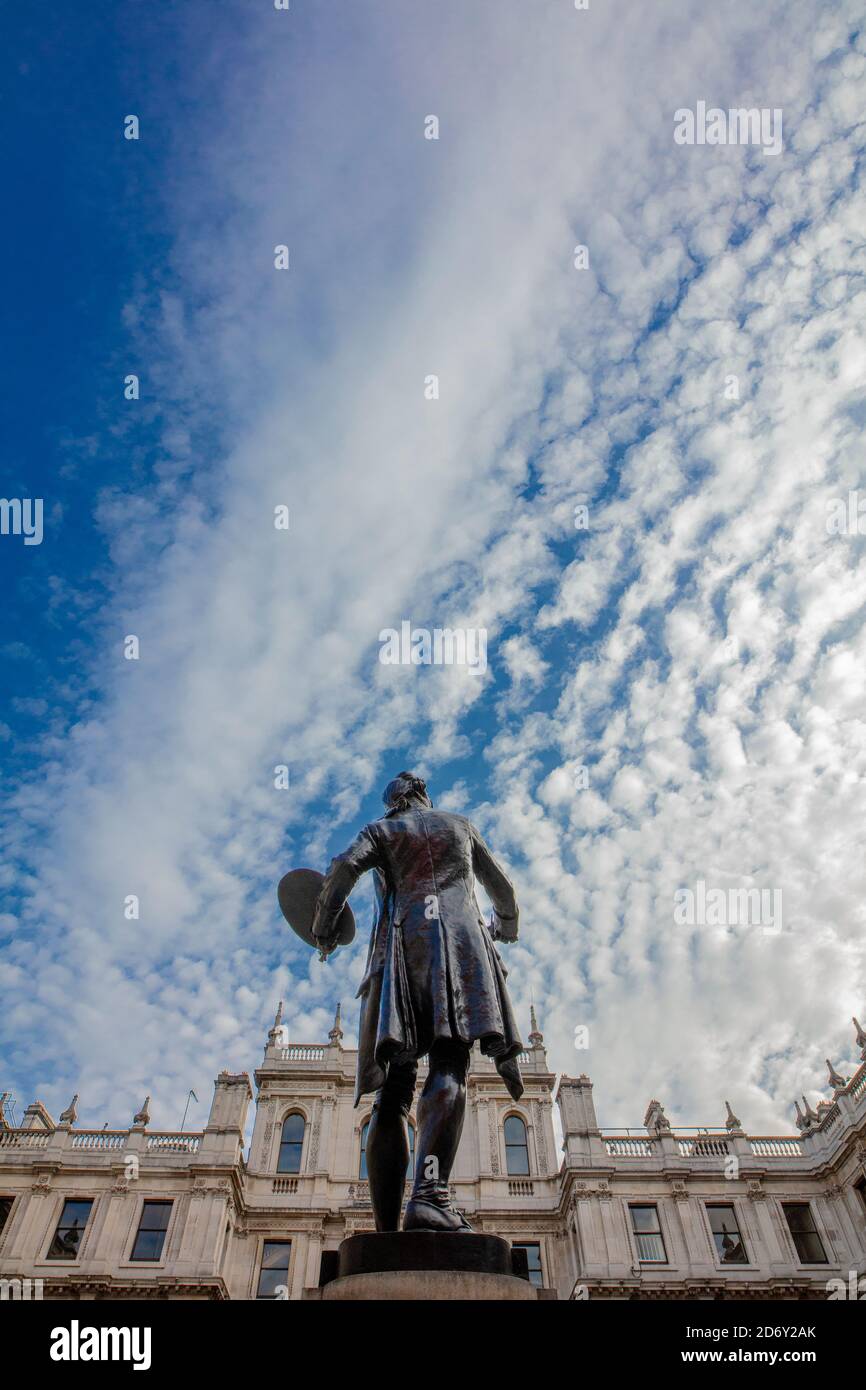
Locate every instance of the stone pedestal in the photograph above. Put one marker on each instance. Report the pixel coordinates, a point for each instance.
(424, 1265)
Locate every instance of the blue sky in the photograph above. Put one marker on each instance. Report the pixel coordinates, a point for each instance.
(699, 648)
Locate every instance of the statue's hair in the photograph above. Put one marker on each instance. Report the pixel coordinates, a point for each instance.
(403, 790)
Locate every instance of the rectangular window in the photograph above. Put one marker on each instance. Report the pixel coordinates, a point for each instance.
(150, 1236)
(648, 1235)
(726, 1234)
(804, 1233)
(70, 1229)
(860, 1189)
(274, 1273)
(5, 1208)
(533, 1259)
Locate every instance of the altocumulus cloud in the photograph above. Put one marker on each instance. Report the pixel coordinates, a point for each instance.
(697, 649)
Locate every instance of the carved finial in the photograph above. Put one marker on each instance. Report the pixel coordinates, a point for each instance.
(4, 1096)
(275, 1032)
(732, 1124)
(336, 1032)
(802, 1122)
(655, 1119)
(142, 1119)
(836, 1081)
(860, 1038)
(70, 1114)
(809, 1114)
(536, 1037)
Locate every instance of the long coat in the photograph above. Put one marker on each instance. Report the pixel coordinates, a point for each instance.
(433, 973)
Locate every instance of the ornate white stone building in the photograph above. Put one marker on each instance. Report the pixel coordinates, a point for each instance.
(651, 1213)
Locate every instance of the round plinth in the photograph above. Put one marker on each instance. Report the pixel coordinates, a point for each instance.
(425, 1265)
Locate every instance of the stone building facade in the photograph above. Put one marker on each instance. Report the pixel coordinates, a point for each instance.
(655, 1212)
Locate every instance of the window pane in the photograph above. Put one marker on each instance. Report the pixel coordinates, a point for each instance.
(650, 1249)
(726, 1234)
(276, 1254)
(5, 1208)
(410, 1172)
(75, 1213)
(810, 1249)
(516, 1161)
(154, 1216)
(293, 1129)
(148, 1245)
(290, 1158)
(799, 1218)
(271, 1283)
(515, 1130)
(644, 1219)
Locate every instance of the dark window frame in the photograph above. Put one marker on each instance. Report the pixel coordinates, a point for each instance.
(814, 1233)
(512, 1148)
(636, 1234)
(148, 1230)
(74, 1254)
(294, 1146)
(528, 1245)
(410, 1170)
(270, 1269)
(727, 1206)
(5, 1215)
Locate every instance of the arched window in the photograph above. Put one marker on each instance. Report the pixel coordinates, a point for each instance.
(291, 1144)
(362, 1169)
(516, 1148)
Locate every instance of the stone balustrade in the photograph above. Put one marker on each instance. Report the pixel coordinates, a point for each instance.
(173, 1143)
(98, 1138)
(24, 1138)
(96, 1141)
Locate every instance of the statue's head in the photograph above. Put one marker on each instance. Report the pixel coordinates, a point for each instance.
(404, 791)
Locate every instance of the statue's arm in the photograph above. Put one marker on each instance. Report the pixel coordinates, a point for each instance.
(498, 887)
(343, 873)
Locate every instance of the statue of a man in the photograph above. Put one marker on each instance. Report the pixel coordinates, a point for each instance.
(433, 984)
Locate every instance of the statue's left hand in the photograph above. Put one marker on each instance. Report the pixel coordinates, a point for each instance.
(504, 930)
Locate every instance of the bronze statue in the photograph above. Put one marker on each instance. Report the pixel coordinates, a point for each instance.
(433, 984)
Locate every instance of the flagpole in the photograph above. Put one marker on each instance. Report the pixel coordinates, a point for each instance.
(192, 1095)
